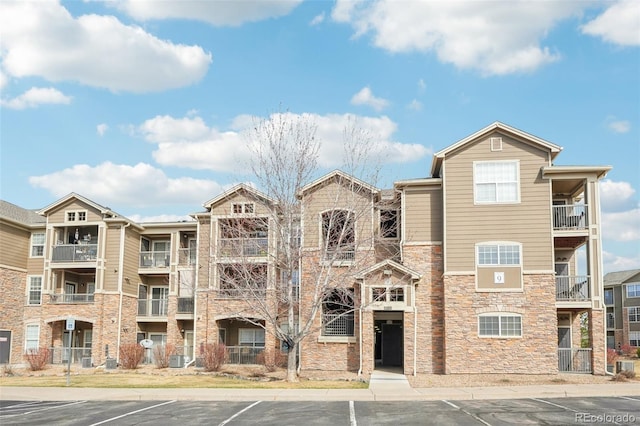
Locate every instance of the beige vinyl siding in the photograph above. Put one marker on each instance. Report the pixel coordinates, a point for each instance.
(335, 196)
(527, 222)
(16, 245)
(422, 215)
(131, 261)
(225, 208)
(112, 257)
(58, 215)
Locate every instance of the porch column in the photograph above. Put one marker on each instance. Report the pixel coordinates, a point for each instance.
(368, 344)
(597, 337)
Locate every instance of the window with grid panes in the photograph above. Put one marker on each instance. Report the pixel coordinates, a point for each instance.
(37, 244)
(35, 291)
(496, 181)
(500, 325)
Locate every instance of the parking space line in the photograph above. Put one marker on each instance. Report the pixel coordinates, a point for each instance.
(55, 407)
(133, 412)
(239, 412)
(451, 404)
(24, 404)
(466, 412)
(352, 414)
(629, 398)
(555, 405)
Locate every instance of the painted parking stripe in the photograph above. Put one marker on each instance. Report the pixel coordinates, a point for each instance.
(352, 414)
(555, 405)
(22, 405)
(55, 407)
(451, 404)
(239, 412)
(629, 398)
(133, 412)
(466, 412)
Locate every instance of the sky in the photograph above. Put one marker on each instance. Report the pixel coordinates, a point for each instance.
(143, 106)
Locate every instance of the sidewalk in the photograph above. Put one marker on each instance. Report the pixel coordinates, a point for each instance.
(396, 392)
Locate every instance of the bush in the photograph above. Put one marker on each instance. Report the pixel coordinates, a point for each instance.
(628, 374)
(628, 350)
(612, 356)
(37, 358)
(638, 352)
(213, 356)
(162, 353)
(131, 355)
(272, 359)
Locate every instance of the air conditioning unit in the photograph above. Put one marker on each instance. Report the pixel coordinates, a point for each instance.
(199, 362)
(111, 364)
(176, 361)
(624, 365)
(86, 362)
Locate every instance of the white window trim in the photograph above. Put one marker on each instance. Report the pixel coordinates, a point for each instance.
(637, 313)
(76, 215)
(498, 244)
(26, 335)
(254, 342)
(496, 143)
(500, 315)
(29, 282)
(517, 182)
(634, 335)
(637, 291)
(32, 245)
(243, 208)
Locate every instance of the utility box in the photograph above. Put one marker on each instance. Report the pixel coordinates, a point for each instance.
(624, 365)
(86, 362)
(176, 361)
(199, 362)
(111, 364)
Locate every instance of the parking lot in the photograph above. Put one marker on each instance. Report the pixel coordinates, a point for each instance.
(552, 411)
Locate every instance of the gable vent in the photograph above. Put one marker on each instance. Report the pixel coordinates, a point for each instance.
(496, 144)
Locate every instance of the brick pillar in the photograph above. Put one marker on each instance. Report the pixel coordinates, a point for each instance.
(598, 342)
(368, 345)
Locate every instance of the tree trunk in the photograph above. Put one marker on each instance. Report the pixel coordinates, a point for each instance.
(292, 367)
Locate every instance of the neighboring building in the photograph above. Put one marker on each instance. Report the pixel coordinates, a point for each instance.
(472, 270)
(622, 298)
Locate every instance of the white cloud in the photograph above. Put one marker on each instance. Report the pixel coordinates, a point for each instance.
(619, 126)
(4, 80)
(366, 97)
(141, 185)
(615, 195)
(160, 218)
(619, 24)
(317, 20)
(415, 105)
(218, 13)
(190, 143)
(493, 37)
(102, 128)
(37, 96)
(621, 226)
(615, 263)
(43, 39)
(422, 86)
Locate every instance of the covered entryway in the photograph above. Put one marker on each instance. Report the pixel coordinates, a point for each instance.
(389, 339)
(5, 346)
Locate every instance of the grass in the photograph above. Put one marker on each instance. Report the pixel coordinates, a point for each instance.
(137, 380)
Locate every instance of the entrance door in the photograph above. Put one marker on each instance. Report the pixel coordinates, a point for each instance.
(188, 345)
(67, 343)
(159, 297)
(5, 346)
(564, 348)
(392, 345)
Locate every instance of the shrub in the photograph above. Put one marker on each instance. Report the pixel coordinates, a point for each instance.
(638, 352)
(162, 353)
(619, 378)
(131, 355)
(213, 356)
(272, 359)
(628, 350)
(7, 370)
(37, 358)
(628, 374)
(612, 356)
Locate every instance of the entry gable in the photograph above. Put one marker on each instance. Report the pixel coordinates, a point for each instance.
(388, 285)
(340, 177)
(239, 200)
(91, 211)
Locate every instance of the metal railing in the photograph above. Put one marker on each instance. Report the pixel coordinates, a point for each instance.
(574, 360)
(241, 293)
(337, 325)
(155, 259)
(611, 320)
(572, 288)
(339, 255)
(70, 298)
(60, 355)
(152, 307)
(74, 253)
(243, 354)
(185, 305)
(237, 247)
(570, 216)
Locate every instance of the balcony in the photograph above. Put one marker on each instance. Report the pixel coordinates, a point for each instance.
(185, 305)
(611, 321)
(337, 325)
(71, 298)
(570, 217)
(574, 360)
(573, 288)
(243, 354)
(154, 259)
(241, 293)
(73, 253)
(243, 247)
(153, 307)
(60, 355)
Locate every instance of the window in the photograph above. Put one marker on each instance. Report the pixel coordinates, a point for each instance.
(387, 294)
(500, 325)
(496, 181)
(241, 280)
(634, 338)
(32, 338)
(338, 235)
(633, 290)
(337, 313)
(251, 337)
(76, 216)
(243, 208)
(634, 314)
(498, 254)
(37, 244)
(35, 291)
(496, 144)
(389, 224)
(608, 297)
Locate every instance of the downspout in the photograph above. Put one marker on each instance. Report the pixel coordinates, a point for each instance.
(415, 337)
(360, 327)
(120, 278)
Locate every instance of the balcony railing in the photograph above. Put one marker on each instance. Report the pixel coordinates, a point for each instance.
(243, 354)
(611, 321)
(185, 305)
(154, 259)
(74, 253)
(60, 355)
(238, 247)
(186, 256)
(71, 298)
(241, 293)
(574, 360)
(337, 325)
(572, 288)
(570, 217)
(339, 255)
(152, 307)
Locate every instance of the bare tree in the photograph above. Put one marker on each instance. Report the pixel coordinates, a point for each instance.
(285, 162)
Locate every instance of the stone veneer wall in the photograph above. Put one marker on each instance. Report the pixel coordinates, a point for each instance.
(597, 336)
(12, 288)
(534, 353)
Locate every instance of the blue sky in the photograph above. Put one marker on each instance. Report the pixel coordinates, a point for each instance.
(141, 105)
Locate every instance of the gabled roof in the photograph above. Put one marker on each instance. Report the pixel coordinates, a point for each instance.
(388, 264)
(496, 126)
(19, 215)
(600, 171)
(103, 210)
(238, 189)
(338, 174)
(620, 277)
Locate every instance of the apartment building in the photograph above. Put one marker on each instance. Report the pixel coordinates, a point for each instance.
(474, 269)
(622, 299)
